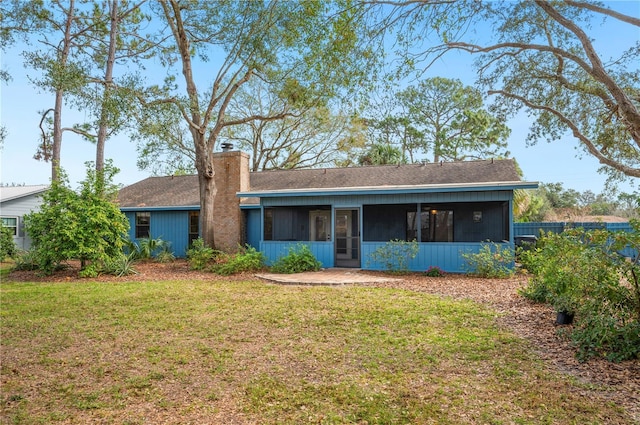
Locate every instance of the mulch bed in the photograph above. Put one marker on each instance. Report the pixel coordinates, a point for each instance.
(618, 382)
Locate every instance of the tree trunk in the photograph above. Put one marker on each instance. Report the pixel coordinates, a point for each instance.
(208, 190)
(56, 148)
(108, 86)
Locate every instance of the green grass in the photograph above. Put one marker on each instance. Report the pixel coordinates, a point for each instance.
(203, 352)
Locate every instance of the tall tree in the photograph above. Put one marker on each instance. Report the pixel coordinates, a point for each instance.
(397, 130)
(77, 40)
(62, 71)
(541, 56)
(295, 47)
(381, 154)
(454, 123)
(121, 45)
(310, 136)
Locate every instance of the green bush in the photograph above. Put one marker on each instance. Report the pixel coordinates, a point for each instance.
(85, 225)
(493, 260)
(300, 259)
(25, 260)
(120, 265)
(199, 256)
(395, 255)
(148, 248)
(247, 259)
(7, 245)
(434, 271)
(582, 272)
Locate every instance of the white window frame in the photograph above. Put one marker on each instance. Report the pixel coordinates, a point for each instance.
(14, 227)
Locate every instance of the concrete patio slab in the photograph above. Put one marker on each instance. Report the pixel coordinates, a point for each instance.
(333, 276)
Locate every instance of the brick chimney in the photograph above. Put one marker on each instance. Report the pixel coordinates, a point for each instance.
(232, 176)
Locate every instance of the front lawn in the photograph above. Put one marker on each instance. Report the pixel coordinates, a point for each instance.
(249, 352)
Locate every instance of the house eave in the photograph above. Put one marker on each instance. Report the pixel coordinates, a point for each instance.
(396, 189)
(161, 208)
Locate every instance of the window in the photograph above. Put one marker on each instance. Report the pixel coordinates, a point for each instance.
(11, 223)
(143, 221)
(194, 226)
(268, 224)
(436, 225)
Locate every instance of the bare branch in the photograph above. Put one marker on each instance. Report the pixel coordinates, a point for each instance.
(605, 11)
(593, 150)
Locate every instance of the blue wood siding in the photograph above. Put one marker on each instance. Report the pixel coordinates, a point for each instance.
(170, 226)
(131, 216)
(446, 256)
(323, 251)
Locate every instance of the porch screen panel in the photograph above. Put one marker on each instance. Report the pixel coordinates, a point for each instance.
(436, 224)
(382, 223)
(289, 223)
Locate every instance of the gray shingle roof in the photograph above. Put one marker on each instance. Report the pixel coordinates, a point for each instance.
(182, 191)
(388, 175)
(170, 191)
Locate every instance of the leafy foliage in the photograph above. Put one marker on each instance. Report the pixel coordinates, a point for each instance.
(434, 271)
(381, 154)
(120, 265)
(87, 226)
(199, 255)
(452, 119)
(493, 260)
(248, 259)
(395, 255)
(583, 272)
(148, 248)
(25, 260)
(299, 259)
(7, 245)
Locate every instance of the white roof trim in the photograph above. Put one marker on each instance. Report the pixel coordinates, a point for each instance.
(416, 188)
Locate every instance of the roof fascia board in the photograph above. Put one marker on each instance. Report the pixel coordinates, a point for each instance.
(164, 208)
(404, 189)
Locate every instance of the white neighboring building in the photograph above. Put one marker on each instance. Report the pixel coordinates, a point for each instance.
(15, 203)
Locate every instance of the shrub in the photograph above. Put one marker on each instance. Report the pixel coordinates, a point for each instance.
(7, 245)
(85, 225)
(148, 248)
(165, 255)
(395, 255)
(199, 255)
(300, 259)
(582, 271)
(246, 260)
(25, 260)
(434, 271)
(120, 265)
(493, 260)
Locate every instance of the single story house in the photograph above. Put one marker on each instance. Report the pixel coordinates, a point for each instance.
(342, 214)
(15, 203)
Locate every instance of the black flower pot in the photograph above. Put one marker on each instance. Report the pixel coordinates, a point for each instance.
(564, 318)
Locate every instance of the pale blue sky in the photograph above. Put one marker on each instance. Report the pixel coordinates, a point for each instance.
(21, 102)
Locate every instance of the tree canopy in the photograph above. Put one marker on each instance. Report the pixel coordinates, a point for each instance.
(303, 51)
(540, 56)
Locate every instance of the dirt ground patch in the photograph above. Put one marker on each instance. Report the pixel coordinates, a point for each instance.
(619, 382)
